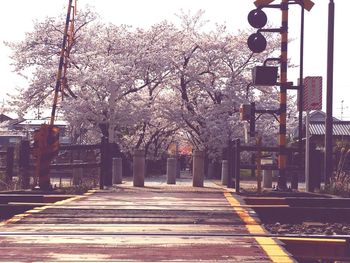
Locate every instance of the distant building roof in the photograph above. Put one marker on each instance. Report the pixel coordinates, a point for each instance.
(4, 117)
(320, 116)
(317, 126)
(339, 128)
(39, 122)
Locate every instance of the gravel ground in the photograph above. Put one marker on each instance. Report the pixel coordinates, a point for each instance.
(309, 228)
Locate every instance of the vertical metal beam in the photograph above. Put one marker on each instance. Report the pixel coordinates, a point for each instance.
(328, 160)
(237, 165)
(230, 163)
(307, 152)
(282, 158)
(301, 81)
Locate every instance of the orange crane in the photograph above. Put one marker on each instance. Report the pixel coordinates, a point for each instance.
(46, 139)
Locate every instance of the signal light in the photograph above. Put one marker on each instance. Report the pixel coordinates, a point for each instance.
(257, 42)
(257, 18)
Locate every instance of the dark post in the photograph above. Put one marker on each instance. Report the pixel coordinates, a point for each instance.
(104, 162)
(24, 159)
(295, 178)
(252, 119)
(110, 153)
(230, 164)
(314, 168)
(252, 160)
(328, 160)
(237, 164)
(301, 81)
(9, 163)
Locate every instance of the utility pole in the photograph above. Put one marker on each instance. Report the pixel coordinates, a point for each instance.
(301, 81)
(328, 160)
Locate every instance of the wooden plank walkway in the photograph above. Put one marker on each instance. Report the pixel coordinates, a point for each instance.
(151, 224)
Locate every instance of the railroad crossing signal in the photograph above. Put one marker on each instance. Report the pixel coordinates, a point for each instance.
(256, 41)
(258, 19)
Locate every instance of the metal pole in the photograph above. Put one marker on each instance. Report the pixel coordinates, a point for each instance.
(301, 81)
(237, 167)
(258, 163)
(328, 160)
(307, 152)
(282, 158)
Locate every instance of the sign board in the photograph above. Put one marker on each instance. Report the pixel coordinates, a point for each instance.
(312, 93)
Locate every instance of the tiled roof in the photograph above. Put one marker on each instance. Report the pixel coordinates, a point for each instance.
(339, 129)
(39, 122)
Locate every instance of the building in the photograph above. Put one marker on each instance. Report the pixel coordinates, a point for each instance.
(317, 129)
(14, 130)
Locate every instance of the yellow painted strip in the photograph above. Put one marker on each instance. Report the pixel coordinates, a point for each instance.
(19, 217)
(321, 240)
(268, 244)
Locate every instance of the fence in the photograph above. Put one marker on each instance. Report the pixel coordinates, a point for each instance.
(233, 156)
(22, 165)
(7, 162)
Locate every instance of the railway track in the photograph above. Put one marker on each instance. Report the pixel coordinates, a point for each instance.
(271, 210)
(308, 226)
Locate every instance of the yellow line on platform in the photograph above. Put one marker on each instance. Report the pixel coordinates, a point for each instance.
(19, 217)
(313, 240)
(275, 252)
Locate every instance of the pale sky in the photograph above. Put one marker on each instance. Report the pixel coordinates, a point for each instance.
(18, 15)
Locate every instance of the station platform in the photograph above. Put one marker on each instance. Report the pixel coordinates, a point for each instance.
(155, 223)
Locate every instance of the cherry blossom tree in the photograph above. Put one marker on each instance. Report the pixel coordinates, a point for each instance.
(143, 87)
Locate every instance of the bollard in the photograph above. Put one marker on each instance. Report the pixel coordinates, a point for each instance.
(198, 168)
(171, 170)
(266, 174)
(267, 179)
(77, 173)
(224, 172)
(139, 168)
(117, 170)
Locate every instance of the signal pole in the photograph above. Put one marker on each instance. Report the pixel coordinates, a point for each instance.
(257, 43)
(282, 182)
